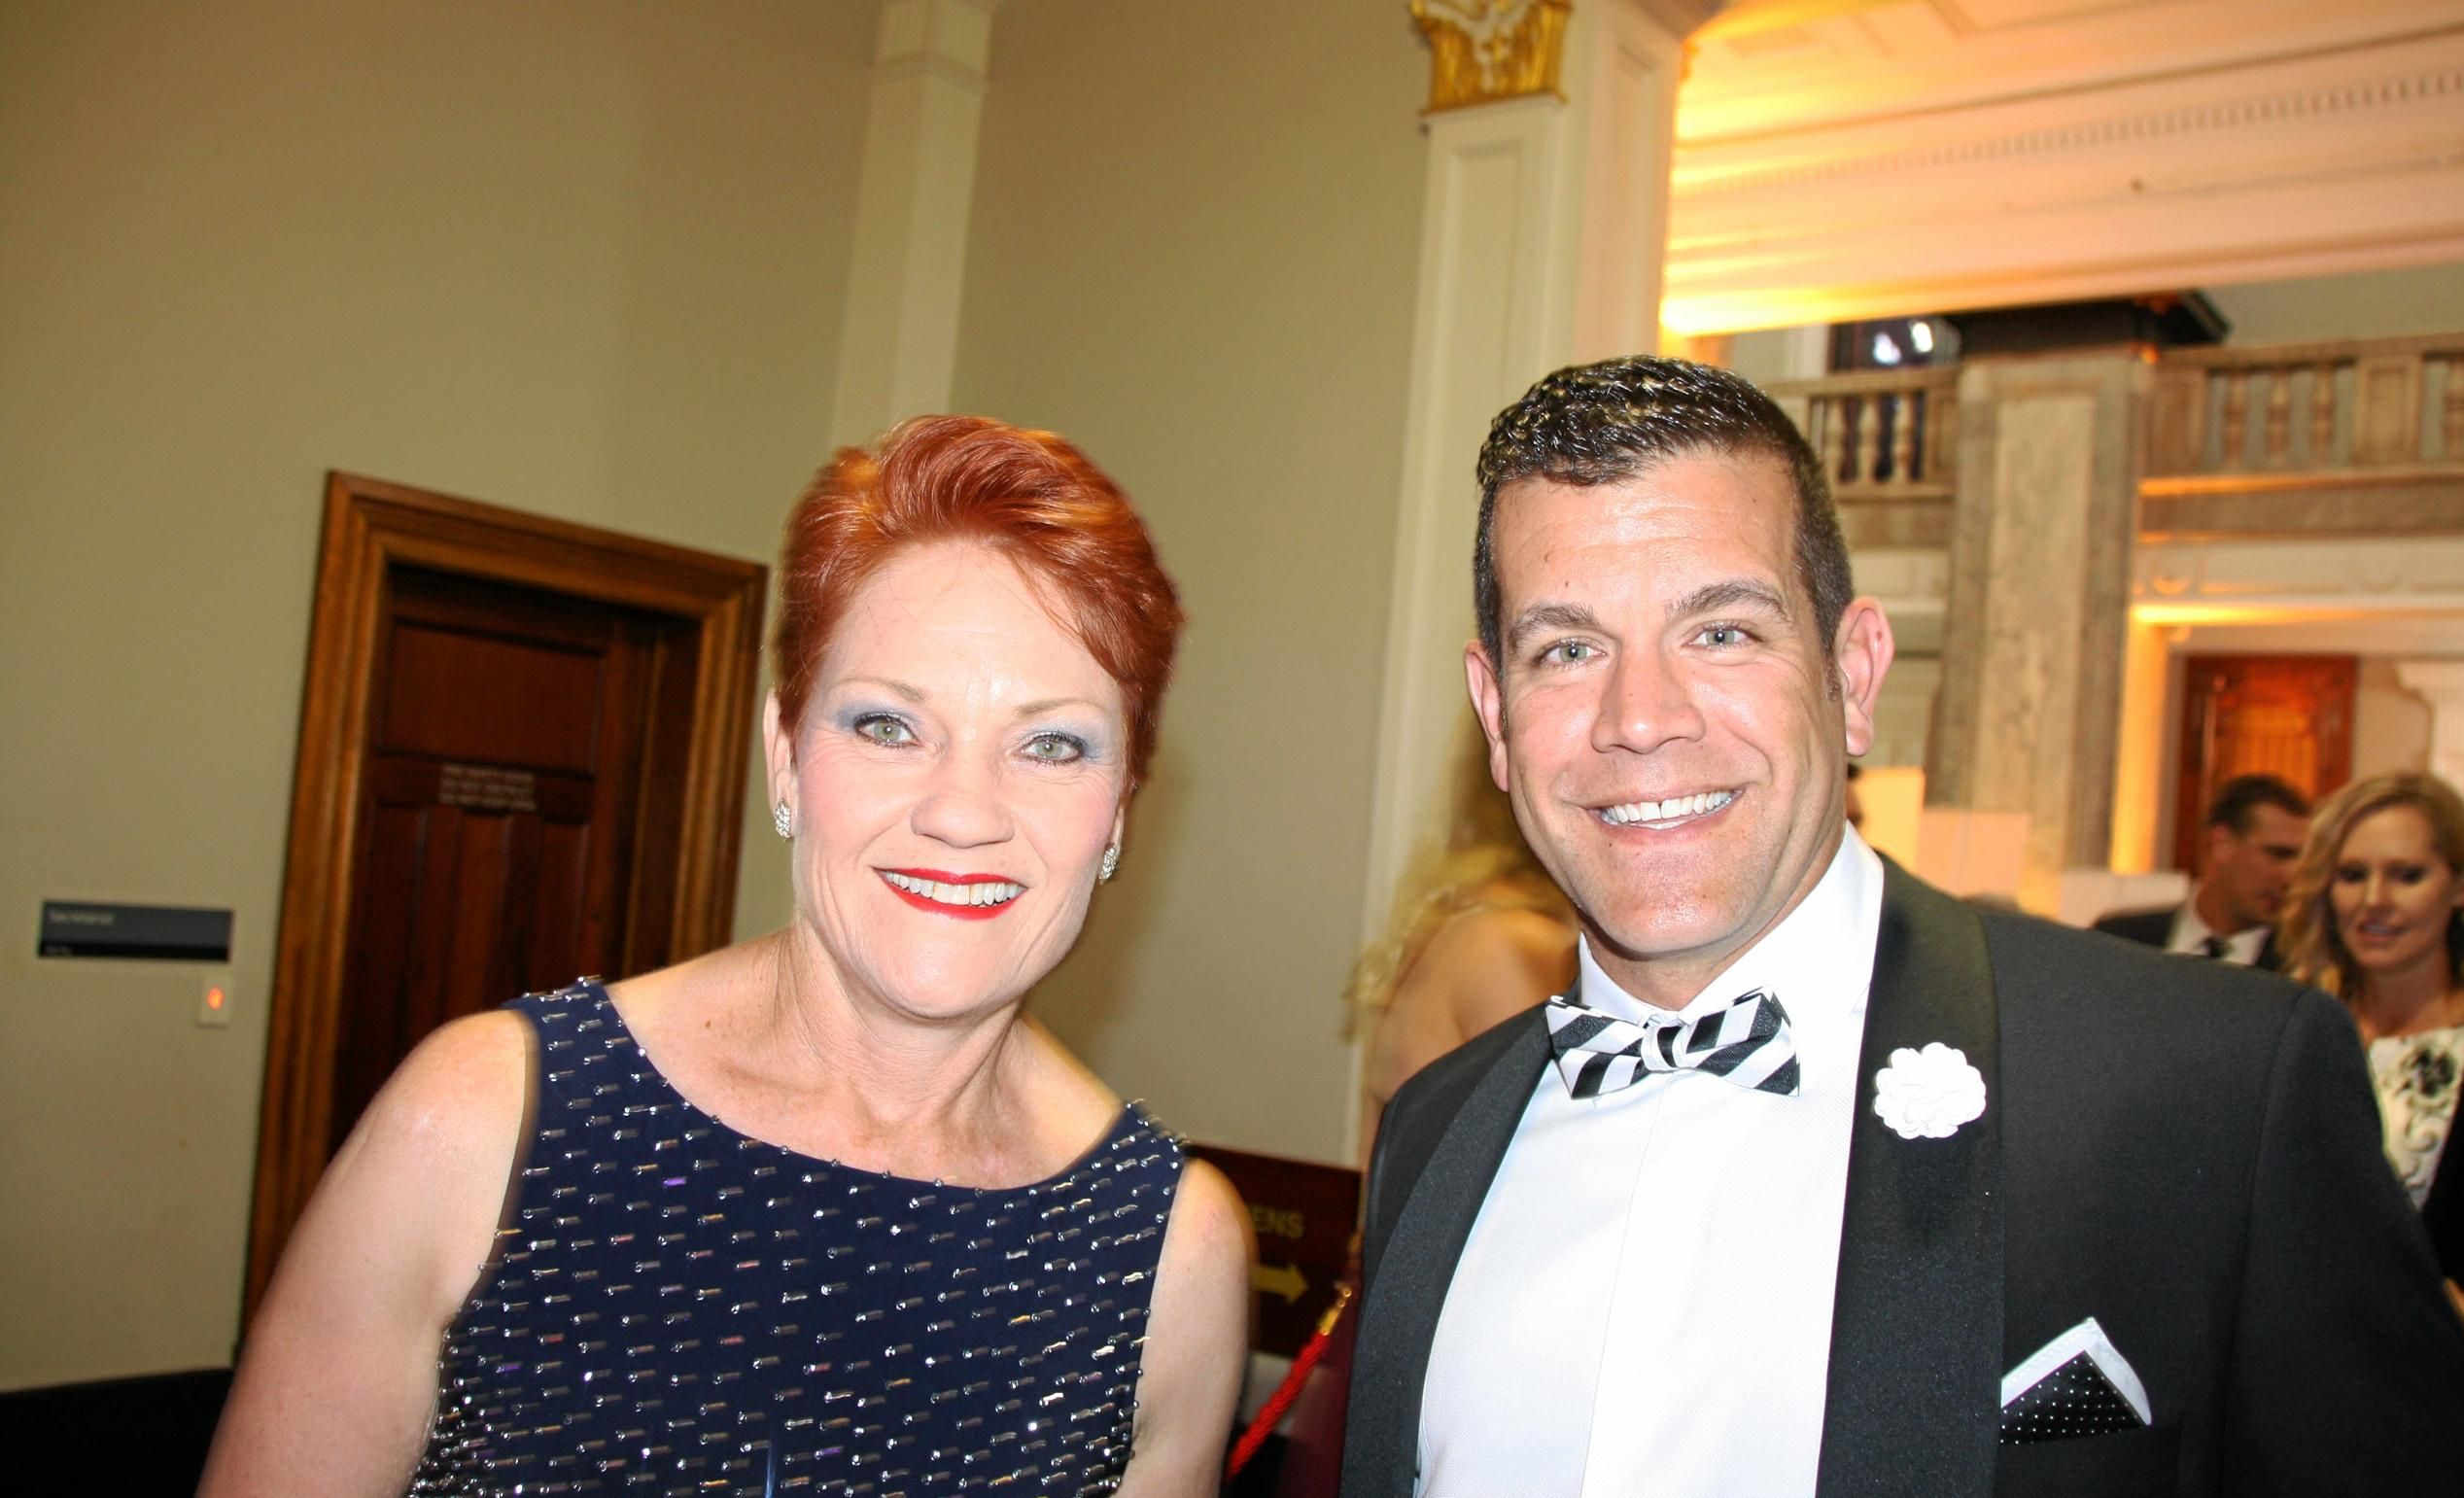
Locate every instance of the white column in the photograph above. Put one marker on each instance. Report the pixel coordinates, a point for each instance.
(1625, 58)
(1541, 235)
(2440, 684)
(899, 339)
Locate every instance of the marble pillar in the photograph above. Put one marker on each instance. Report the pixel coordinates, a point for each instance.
(2036, 620)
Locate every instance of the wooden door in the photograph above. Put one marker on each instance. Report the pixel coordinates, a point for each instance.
(516, 785)
(2286, 716)
(522, 758)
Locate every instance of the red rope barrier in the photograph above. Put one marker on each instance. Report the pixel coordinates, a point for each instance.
(1280, 1403)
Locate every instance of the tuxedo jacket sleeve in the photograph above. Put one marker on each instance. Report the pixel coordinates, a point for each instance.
(2192, 1154)
(2337, 1302)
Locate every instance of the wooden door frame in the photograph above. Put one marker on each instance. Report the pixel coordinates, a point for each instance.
(2190, 749)
(371, 526)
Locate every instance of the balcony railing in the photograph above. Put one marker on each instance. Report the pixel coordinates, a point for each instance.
(2310, 407)
(2359, 435)
(1884, 435)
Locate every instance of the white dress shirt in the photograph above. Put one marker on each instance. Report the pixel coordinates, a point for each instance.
(2191, 934)
(1645, 1304)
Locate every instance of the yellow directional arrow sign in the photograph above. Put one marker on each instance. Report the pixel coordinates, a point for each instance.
(1283, 1279)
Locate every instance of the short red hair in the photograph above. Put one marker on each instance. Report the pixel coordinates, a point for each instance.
(1030, 496)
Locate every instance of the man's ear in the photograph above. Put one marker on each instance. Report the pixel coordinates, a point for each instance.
(1861, 654)
(779, 752)
(2220, 835)
(1488, 701)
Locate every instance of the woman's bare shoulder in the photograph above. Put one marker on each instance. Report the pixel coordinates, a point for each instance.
(1491, 941)
(1209, 1226)
(447, 1127)
(474, 1061)
(425, 1169)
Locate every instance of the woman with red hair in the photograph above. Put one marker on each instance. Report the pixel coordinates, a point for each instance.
(824, 1211)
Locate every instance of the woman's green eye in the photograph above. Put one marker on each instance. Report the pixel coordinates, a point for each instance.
(1054, 748)
(881, 728)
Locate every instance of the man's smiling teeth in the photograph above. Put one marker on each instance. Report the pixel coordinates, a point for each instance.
(1670, 810)
(996, 893)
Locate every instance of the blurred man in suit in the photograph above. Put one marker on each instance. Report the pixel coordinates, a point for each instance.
(2255, 827)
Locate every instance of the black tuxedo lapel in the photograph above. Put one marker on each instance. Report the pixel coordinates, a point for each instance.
(1407, 1287)
(1913, 1401)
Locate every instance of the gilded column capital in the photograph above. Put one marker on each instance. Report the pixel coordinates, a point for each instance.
(1482, 51)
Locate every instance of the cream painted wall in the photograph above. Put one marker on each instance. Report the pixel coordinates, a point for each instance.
(2370, 304)
(584, 259)
(1193, 248)
(2391, 724)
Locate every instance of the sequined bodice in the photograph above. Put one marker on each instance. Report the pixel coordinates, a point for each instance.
(677, 1307)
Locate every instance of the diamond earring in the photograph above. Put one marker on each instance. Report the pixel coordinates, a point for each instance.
(1111, 863)
(782, 819)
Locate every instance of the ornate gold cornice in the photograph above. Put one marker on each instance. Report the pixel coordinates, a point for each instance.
(1482, 51)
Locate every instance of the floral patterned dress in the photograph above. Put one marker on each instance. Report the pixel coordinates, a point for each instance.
(2416, 1077)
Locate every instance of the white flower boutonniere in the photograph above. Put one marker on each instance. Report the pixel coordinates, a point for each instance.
(1928, 1094)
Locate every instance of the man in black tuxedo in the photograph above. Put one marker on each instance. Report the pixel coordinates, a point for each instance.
(1824, 1183)
(2255, 827)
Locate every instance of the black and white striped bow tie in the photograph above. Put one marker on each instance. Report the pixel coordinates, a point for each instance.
(1747, 1043)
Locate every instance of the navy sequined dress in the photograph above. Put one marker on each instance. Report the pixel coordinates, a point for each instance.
(675, 1307)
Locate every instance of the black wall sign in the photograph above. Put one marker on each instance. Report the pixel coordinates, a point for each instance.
(164, 934)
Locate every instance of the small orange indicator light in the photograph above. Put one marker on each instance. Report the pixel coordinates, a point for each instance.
(214, 996)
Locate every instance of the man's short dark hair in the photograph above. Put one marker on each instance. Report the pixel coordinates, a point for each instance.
(1597, 424)
(2238, 802)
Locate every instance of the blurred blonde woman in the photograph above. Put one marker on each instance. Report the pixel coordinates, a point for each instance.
(1479, 933)
(2375, 916)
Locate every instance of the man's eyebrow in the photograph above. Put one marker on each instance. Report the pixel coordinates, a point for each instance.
(1547, 616)
(1733, 593)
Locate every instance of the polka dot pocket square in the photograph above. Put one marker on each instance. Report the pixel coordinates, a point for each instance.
(2077, 1384)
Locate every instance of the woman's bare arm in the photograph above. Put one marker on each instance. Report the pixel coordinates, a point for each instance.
(1196, 1343)
(337, 1377)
